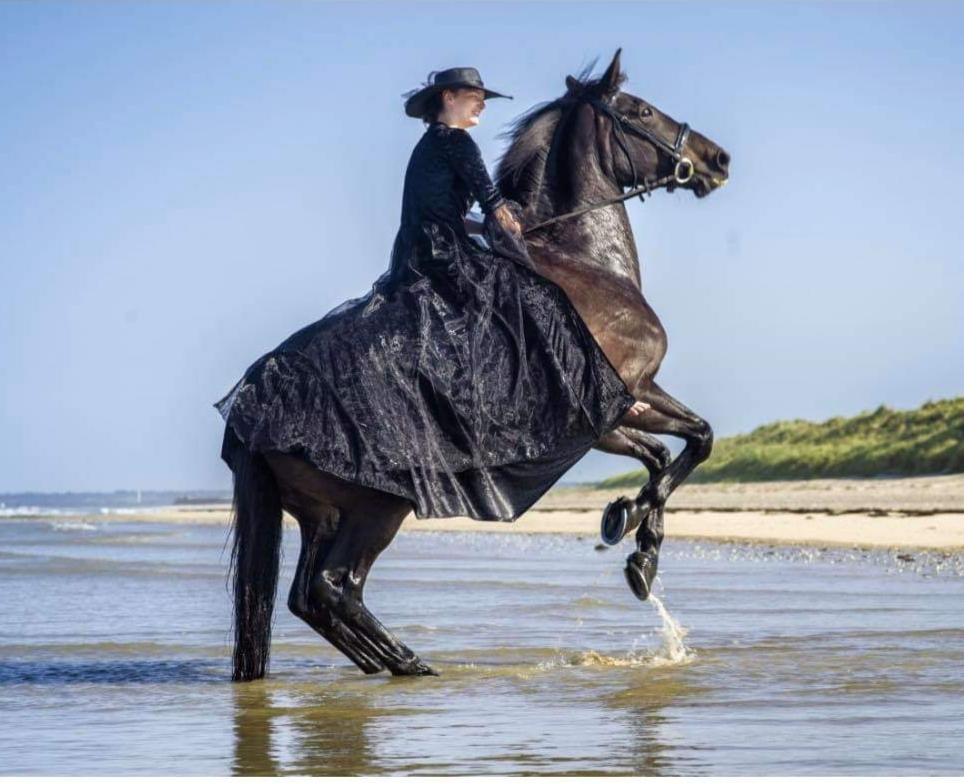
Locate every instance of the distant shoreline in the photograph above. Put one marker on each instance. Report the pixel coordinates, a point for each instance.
(911, 513)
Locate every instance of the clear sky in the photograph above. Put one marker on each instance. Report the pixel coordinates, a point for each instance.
(183, 185)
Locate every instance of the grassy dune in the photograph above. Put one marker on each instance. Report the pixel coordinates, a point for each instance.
(884, 442)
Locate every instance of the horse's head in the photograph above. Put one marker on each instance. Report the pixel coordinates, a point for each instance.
(638, 142)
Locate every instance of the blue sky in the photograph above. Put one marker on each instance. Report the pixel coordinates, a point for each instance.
(183, 185)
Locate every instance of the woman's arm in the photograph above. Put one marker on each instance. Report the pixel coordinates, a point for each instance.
(466, 158)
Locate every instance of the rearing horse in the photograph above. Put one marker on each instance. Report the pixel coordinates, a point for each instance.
(577, 152)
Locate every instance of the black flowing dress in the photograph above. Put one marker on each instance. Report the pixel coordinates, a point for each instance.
(463, 381)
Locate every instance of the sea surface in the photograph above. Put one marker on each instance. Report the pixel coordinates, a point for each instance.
(46, 504)
(753, 660)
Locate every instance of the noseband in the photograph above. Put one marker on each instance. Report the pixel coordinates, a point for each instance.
(682, 172)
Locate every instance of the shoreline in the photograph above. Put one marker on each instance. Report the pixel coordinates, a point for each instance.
(937, 532)
(924, 513)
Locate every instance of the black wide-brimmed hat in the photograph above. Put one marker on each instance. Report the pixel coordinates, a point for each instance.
(449, 79)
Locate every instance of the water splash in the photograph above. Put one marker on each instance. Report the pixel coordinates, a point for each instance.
(672, 649)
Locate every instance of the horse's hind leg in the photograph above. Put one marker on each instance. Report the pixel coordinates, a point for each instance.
(338, 585)
(666, 416)
(317, 536)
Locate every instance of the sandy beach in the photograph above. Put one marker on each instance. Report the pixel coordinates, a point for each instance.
(910, 513)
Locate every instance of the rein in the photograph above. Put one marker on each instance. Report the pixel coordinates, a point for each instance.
(682, 172)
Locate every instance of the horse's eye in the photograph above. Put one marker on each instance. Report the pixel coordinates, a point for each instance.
(645, 112)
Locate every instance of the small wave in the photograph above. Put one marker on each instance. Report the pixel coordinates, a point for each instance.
(641, 659)
(567, 660)
(417, 628)
(110, 672)
(586, 601)
(593, 658)
(73, 526)
(132, 509)
(106, 649)
(32, 511)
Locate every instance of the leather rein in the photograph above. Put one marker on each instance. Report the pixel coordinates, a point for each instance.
(682, 172)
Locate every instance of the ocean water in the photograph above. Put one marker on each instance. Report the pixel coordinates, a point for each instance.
(46, 504)
(752, 660)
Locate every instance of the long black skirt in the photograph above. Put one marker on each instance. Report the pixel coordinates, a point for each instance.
(464, 381)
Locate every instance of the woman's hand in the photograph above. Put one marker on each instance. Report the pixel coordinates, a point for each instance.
(473, 226)
(507, 220)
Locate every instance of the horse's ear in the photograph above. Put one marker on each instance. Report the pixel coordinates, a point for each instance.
(573, 85)
(609, 82)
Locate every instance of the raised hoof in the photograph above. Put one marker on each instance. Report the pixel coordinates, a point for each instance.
(641, 572)
(616, 521)
(414, 668)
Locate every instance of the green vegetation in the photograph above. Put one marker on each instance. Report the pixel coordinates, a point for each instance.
(885, 442)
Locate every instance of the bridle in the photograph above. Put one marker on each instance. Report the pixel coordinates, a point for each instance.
(682, 172)
(675, 150)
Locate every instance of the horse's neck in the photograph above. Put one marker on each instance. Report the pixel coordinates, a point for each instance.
(601, 238)
(606, 237)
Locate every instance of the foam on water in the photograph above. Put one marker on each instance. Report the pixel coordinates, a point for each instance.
(30, 511)
(73, 526)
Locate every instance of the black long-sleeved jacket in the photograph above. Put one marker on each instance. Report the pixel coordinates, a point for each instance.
(445, 175)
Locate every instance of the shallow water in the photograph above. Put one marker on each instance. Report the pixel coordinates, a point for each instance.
(114, 659)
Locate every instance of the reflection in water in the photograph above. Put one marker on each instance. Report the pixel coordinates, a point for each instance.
(649, 754)
(303, 729)
(252, 731)
(501, 718)
(329, 733)
(643, 703)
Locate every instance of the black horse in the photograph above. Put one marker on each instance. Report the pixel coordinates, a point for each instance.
(574, 154)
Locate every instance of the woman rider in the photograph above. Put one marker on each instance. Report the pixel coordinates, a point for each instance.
(464, 381)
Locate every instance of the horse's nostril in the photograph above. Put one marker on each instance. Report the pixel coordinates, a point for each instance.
(722, 159)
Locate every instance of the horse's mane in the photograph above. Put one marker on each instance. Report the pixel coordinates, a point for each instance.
(530, 171)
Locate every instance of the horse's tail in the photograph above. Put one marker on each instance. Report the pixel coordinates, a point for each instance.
(255, 558)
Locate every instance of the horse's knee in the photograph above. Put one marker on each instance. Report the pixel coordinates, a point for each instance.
(703, 441)
(325, 592)
(313, 606)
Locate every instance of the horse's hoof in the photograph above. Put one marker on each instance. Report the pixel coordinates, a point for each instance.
(616, 522)
(414, 668)
(641, 572)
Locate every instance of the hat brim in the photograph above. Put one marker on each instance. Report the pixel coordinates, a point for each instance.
(415, 106)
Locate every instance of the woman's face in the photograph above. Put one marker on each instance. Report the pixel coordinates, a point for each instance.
(462, 107)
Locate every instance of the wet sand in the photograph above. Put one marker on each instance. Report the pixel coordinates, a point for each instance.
(911, 513)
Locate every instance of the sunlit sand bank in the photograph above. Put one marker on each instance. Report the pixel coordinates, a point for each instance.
(923, 512)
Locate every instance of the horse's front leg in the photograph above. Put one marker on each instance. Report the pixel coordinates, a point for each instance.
(666, 416)
(624, 515)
